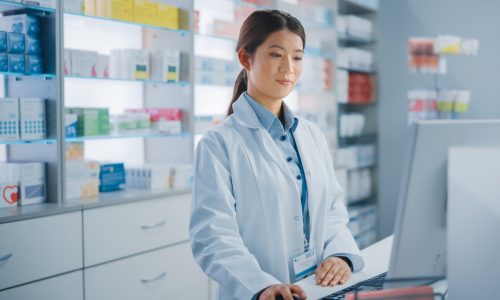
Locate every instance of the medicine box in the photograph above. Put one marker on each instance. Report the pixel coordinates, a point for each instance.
(9, 194)
(82, 189)
(90, 7)
(92, 121)
(121, 9)
(82, 178)
(32, 111)
(71, 125)
(112, 177)
(83, 63)
(67, 62)
(30, 177)
(17, 63)
(145, 11)
(21, 23)
(166, 65)
(9, 119)
(183, 176)
(102, 66)
(15, 42)
(3, 41)
(140, 64)
(167, 16)
(74, 151)
(149, 176)
(34, 64)
(4, 62)
(33, 45)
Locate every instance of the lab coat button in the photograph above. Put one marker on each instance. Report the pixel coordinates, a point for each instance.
(299, 177)
(283, 137)
(289, 159)
(296, 218)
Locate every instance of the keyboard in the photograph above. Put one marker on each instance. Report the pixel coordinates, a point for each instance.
(372, 284)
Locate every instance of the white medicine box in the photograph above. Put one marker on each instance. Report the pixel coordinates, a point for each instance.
(30, 177)
(33, 125)
(9, 119)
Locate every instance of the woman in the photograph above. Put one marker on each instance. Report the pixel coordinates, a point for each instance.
(267, 209)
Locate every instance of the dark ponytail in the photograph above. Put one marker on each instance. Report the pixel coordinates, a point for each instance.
(253, 33)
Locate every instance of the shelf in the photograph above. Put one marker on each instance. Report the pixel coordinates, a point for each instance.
(21, 142)
(182, 32)
(351, 40)
(129, 135)
(126, 196)
(362, 201)
(354, 7)
(181, 83)
(356, 105)
(10, 6)
(43, 75)
(359, 70)
(362, 166)
(362, 139)
(215, 36)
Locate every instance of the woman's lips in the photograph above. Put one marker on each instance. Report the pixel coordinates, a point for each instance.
(284, 82)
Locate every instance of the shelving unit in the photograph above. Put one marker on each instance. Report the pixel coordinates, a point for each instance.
(363, 225)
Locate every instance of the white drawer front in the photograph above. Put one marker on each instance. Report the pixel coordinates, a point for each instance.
(168, 273)
(64, 287)
(38, 248)
(120, 230)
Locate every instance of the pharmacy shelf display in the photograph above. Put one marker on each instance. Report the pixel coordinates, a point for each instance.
(29, 131)
(136, 118)
(356, 92)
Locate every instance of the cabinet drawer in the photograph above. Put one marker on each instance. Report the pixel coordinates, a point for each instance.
(37, 248)
(64, 287)
(121, 230)
(168, 273)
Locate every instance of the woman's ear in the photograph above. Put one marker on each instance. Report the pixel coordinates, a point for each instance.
(244, 58)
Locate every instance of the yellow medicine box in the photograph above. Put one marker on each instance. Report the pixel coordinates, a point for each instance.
(145, 11)
(89, 7)
(122, 10)
(167, 16)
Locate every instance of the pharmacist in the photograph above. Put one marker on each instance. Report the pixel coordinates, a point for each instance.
(267, 209)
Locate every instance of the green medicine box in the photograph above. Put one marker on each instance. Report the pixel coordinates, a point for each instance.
(91, 121)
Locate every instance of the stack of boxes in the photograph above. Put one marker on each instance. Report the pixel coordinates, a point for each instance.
(22, 119)
(160, 176)
(355, 58)
(354, 87)
(141, 11)
(355, 156)
(21, 44)
(362, 223)
(22, 183)
(134, 64)
(354, 26)
(89, 121)
(213, 71)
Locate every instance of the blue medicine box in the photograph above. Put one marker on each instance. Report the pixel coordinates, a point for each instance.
(34, 64)
(15, 42)
(17, 63)
(112, 177)
(3, 41)
(21, 23)
(33, 45)
(4, 63)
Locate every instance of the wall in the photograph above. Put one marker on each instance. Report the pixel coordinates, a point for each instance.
(401, 19)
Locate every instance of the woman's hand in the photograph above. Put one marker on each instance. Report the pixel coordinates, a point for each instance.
(333, 271)
(286, 291)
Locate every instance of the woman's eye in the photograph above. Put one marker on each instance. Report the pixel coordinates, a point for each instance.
(297, 58)
(275, 54)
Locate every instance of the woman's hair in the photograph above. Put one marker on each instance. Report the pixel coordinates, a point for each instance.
(254, 31)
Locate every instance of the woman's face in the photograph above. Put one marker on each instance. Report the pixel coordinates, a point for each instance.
(276, 66)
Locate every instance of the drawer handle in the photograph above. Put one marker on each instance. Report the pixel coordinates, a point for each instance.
(153, 225)
(5, 257)
(155, 278)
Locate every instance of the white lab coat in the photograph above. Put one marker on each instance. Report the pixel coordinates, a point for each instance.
(246, 219)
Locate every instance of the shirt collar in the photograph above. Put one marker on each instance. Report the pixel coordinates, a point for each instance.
(267, 118)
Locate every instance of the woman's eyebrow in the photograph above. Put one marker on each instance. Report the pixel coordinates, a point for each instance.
(279, 47)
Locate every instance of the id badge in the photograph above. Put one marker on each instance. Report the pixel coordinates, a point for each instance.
(304, 264)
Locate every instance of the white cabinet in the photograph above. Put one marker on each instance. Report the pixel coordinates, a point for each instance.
(37, 248)
(168, 273)
(121, 230)
(64, 287)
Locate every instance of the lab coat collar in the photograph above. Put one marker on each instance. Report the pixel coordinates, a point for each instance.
(247, 116)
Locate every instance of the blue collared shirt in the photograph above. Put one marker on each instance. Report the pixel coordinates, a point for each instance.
(285, 141)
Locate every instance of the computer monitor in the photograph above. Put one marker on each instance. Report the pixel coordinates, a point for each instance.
(419, 247)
